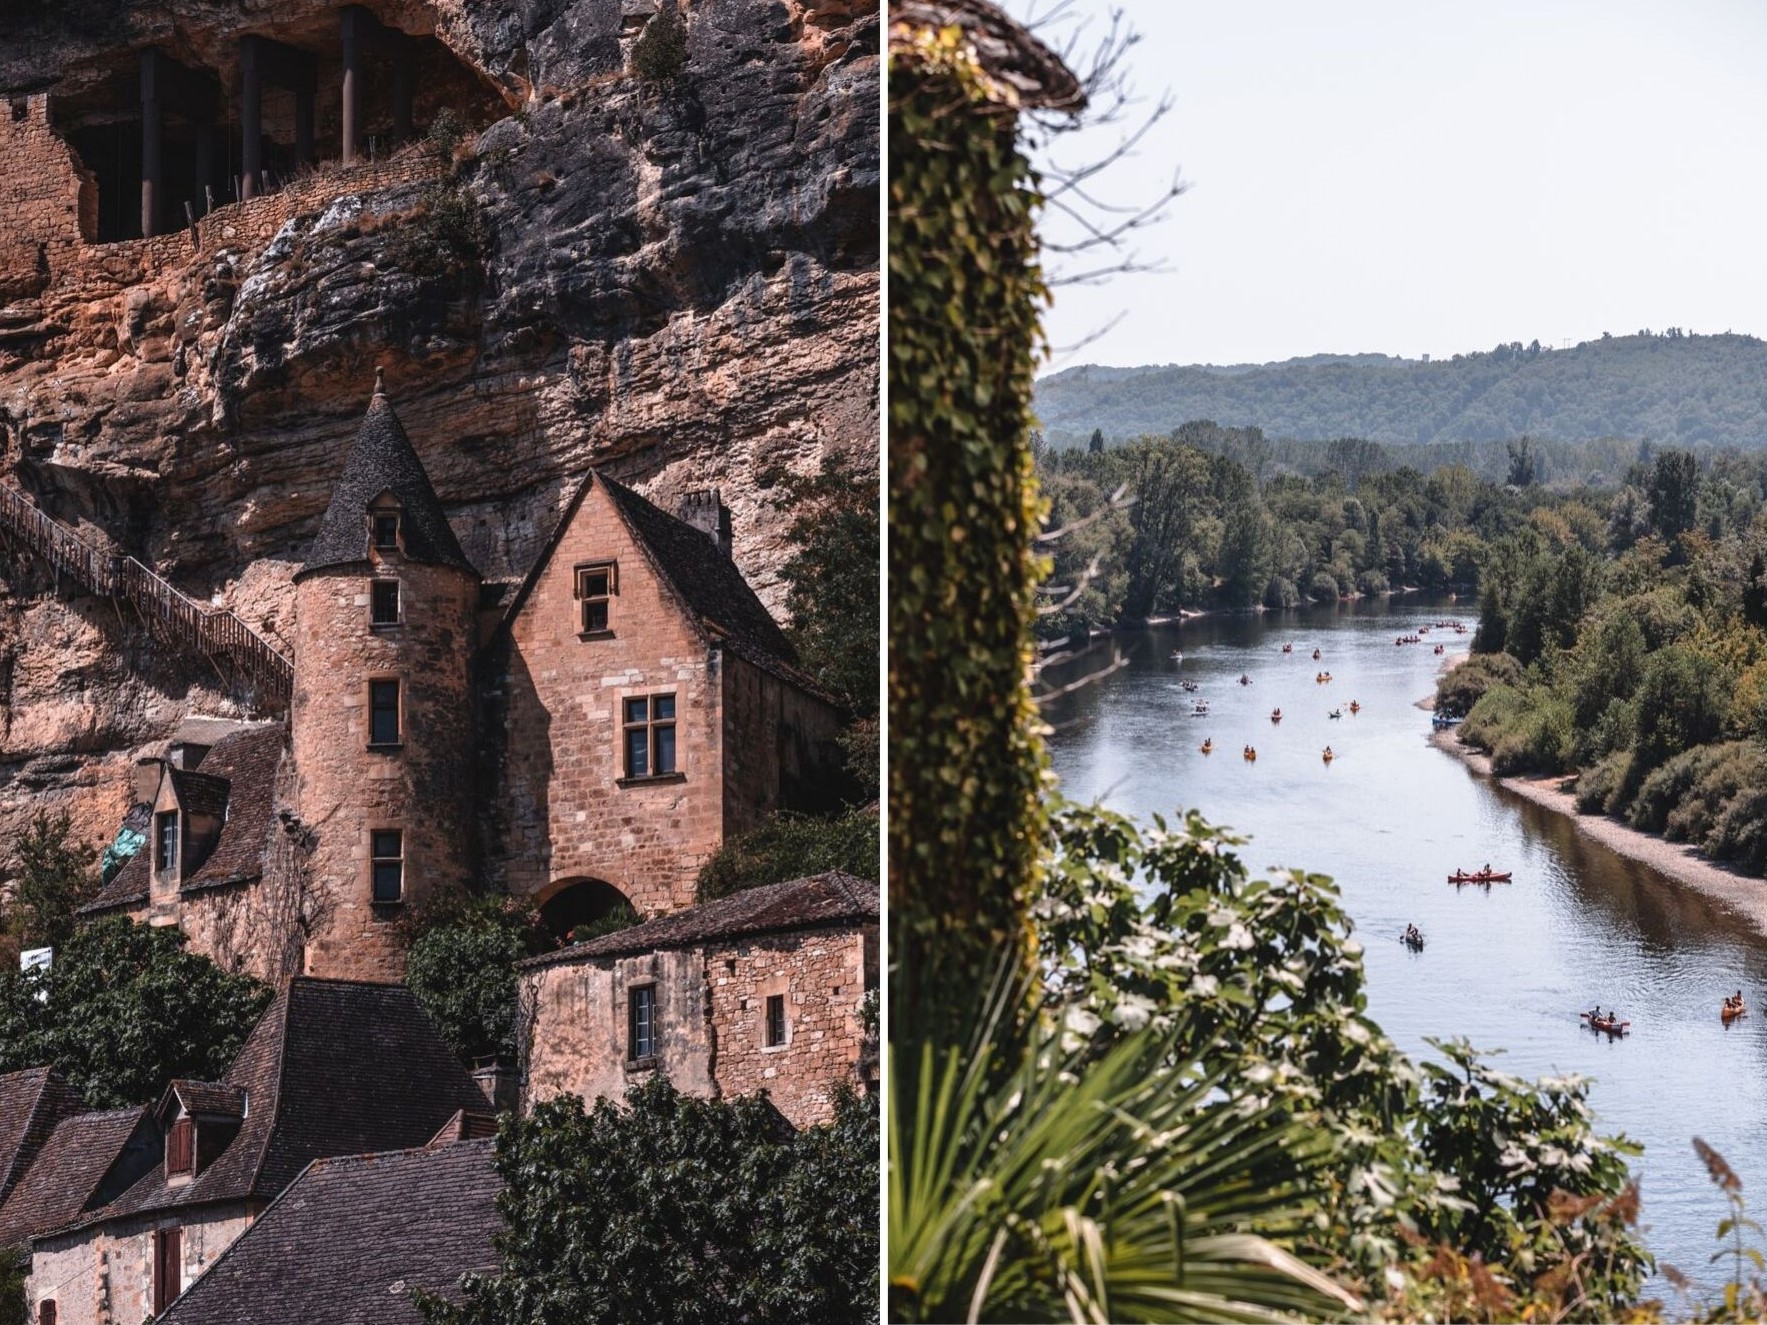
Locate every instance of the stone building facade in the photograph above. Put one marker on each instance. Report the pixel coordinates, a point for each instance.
(586, 743)
(765, 990)
(580, 823)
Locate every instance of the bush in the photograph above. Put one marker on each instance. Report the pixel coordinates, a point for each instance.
(446, 132)
(1458, 690)
(792, 846)
(1598, 788)
(1281, 593)
(461, 968)
(1371, 583)
(55, 878)
(660, 53)
(1322, 588)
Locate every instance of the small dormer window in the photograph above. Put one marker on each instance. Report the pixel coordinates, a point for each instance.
(165, 841)
(181, 1147)
(386, 531)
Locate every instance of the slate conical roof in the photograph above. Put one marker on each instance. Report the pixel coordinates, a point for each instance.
(383, 460)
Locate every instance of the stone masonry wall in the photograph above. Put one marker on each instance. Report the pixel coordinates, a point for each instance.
(50, 204)
(711, 1009)
(578, 1040)
(568, 813)
(345, 790)
(103, 1275)
(780, 750)
(822, 976)
(41, 196)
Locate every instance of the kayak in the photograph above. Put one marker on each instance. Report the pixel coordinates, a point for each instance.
(1483, 876)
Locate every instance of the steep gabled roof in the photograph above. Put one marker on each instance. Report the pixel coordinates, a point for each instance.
(334, 1067)
(32, 1102)
(199, 793)
(68, 1173)
(210, 1099)
(713, 595)
(383, 461)
(830, 898)
(350, 1239)
(246, 760)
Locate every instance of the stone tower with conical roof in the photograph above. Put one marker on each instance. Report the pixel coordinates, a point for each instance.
(382, 721)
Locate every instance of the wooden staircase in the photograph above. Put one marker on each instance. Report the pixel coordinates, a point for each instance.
(245, 660)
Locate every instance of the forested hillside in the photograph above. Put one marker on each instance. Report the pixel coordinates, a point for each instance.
(1670, 388)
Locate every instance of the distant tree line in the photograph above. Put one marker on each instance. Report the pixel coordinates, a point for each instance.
(1633, 652)
(1673, 387)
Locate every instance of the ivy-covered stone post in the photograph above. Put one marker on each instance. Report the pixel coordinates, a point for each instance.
(967, 765)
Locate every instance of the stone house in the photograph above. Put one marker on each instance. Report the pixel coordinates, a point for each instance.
(382, 1225)
(332, 1068)
(763, 990)
(587, 744)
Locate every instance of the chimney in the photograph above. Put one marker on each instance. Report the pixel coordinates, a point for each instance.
(705, 510)
(500, 1081)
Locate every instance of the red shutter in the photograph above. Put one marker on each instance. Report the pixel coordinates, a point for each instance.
(181, 1147)
(168, 1267)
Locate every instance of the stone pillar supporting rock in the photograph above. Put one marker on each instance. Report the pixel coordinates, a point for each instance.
(152, 169)
(251, 118)
(355, 21)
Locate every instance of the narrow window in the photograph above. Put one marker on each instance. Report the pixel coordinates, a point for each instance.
(596, 586)
(650, 736)
(386, 531)
(389, 864)
(641, 1015)
(165, 829)
(383, 712)
(181, 1147)
(385, 600)
(46, 1311)
(775, 1020)
(168, 1268)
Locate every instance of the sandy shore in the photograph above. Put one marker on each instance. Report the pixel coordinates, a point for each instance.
(1741, 893)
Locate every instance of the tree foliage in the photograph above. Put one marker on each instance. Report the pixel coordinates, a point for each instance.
(831, 578)
(54, 878)
(124, 1009)
(672, 1210)
(792, 846)
(461, 968)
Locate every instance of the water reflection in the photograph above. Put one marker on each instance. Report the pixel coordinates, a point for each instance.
(1507, 967)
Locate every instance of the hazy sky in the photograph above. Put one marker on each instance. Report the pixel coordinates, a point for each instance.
(1417, 178)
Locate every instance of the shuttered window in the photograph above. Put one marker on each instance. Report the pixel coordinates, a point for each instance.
(181, 1147)
(168, 1268)
(641, 1023)
(383, 712)
(46, 1311)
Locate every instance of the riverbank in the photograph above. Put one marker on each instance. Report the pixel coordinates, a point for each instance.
(1741, 893)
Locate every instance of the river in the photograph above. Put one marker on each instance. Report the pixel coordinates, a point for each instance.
(1507, 967)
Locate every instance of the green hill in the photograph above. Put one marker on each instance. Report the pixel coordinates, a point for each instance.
(1673, 389)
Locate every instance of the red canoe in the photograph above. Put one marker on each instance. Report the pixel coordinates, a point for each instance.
(1483, 876)
(1607, 1024)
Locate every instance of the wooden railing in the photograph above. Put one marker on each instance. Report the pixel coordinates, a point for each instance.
(242, 656)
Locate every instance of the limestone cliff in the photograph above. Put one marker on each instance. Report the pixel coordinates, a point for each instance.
(675, 280)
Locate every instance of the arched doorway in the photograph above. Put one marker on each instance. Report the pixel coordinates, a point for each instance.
(585, 908)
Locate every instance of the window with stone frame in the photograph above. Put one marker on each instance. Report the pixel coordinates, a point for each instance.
(641, 1033)
(46, 1312)
(383, 598)
(776, 1028)
(165, 841)
(648, 732)
(596, 586)
(387, 865)
(384, 724)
